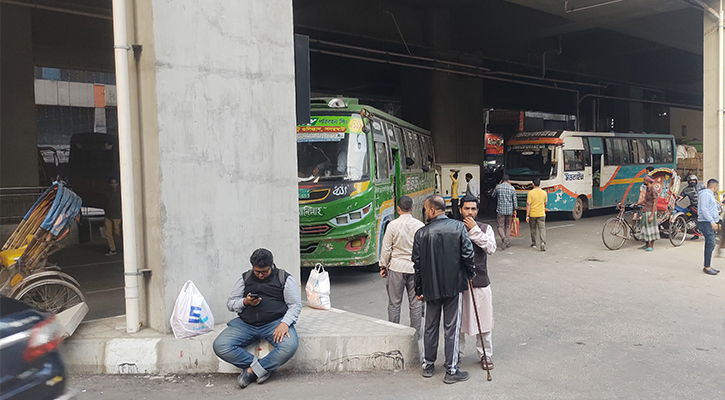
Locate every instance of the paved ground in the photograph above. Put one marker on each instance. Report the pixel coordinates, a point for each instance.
(578, 321)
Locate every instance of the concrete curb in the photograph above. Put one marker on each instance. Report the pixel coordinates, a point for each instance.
(329, 341)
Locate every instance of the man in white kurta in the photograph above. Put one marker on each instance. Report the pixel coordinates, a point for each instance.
(484, 244)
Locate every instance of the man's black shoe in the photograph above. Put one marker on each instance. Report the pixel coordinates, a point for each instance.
(709, 271)
(428, 371)
(245, 378)
(717, 271)
(459, 376)
(695, 237)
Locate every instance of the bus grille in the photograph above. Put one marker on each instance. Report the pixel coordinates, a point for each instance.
(315, 229)
(519, 186)
(309, 249)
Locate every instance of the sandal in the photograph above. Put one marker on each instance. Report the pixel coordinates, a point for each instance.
(642, 248)
(649, 249)
(486, 363)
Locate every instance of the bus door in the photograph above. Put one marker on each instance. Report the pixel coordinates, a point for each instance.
(597, 152)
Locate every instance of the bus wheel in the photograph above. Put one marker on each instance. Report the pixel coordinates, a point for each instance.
(578, 209)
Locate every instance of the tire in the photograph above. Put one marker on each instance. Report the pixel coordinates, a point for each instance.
(52, 295)
(579, 207)
(678, 231)
(614, 233)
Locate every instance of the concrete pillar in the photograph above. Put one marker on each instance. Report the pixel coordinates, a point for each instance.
(451, 106)
(18, 136)
(217, 151)
(710, 94)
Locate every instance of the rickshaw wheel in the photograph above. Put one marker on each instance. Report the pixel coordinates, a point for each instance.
(52, 295)
(678, 231)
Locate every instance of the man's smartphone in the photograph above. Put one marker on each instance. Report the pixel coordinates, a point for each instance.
(254, 295)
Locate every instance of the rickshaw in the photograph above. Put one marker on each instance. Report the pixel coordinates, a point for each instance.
(618, 229)
(25, 273)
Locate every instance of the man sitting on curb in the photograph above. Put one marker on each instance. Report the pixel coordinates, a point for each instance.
(268, 303)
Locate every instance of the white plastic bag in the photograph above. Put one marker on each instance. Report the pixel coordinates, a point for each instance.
(192, 315)
(318, 288)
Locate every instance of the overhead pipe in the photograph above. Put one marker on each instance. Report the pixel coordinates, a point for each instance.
(439, 61)
(543, 58)
(606, 3)
(125, 150)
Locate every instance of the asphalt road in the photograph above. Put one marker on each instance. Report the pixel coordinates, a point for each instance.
(575, 322)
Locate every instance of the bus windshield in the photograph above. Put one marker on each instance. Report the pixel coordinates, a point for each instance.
(531, 161)
(332, 157)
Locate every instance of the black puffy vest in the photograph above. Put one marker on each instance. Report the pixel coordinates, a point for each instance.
(480, 260)
(271, 290)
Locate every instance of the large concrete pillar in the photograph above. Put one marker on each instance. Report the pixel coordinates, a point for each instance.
(18, 136)
(216, 152)
(451, 106)
(710, 95)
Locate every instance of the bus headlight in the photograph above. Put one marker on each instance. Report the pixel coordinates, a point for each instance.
(352, 217)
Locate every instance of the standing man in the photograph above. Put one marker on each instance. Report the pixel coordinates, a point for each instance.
(268, 303)
(484, 244)
(506, 202)
(443, 264)
(536, 215)
(454, 193)
(397, 266)
(112, 211)
(472, 188)
(707, 220)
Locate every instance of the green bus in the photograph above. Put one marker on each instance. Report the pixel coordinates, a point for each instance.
(353, 162)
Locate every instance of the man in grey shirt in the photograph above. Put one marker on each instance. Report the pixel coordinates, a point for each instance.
(268, 303)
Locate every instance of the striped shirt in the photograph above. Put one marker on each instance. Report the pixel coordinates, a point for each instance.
(506, 195)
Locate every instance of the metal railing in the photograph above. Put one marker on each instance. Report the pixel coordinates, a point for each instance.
(16, 201)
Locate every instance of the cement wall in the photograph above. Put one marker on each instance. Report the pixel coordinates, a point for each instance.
(18, 138)
(226, 145)
(686, 124)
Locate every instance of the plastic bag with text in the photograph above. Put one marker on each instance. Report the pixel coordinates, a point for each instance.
(318, 288)
(192, 315)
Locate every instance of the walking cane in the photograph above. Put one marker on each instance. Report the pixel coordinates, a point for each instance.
(484, 365)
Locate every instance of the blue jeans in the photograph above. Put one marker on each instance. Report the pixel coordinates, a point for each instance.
(230, 344)
(709, 234)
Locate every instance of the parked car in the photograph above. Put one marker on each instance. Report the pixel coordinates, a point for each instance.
(31, 365)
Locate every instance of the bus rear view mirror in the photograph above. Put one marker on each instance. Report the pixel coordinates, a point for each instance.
(409, 161)
(426, 168)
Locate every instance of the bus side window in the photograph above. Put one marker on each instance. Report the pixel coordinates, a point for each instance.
(412, 150)
(635, 152)
(610, 152)
(667, 155)
(382, 168)
(624, 152)
(657, 151)
(587, 152)
(650, 153)
(573, 160)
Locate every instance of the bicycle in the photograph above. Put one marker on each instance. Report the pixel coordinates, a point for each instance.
(618, 229)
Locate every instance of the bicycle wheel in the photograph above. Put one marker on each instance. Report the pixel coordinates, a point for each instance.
(614, 233)
(52, 295)
(678, 231)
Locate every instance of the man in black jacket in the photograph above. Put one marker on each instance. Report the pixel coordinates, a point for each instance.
(443, 263)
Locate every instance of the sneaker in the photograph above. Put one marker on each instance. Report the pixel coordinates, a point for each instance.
(695, 237)
(264, 377)
(428, 371)
(709, 271)
(459, 376)
(111, 253)
(543, 247)
(245, 378)
(533, 245)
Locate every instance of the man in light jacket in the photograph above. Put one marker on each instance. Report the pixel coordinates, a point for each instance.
(708, 216)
